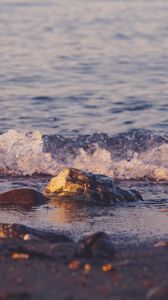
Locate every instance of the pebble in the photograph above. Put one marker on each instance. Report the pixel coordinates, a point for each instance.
(97, 245)
(22, 197)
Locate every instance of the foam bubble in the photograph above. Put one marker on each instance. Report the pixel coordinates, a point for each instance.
(24, 153)
(152, 164)
(21, 153)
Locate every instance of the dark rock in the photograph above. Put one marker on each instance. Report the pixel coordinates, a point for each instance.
(97, 245)
(19, 231)
(76, 184)
(22, 197)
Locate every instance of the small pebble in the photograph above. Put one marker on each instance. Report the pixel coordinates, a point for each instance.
(19, 256)
(27, 237)
(87, 268)
(106, 268)
(74, 265)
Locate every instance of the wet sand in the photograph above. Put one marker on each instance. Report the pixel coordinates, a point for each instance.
(37, 269)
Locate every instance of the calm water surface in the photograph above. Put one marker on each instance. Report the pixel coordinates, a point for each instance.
(84, 67)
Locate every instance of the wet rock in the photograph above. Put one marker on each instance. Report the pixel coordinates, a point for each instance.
(22, 197)
(76, 184)
(97, 245)
(19, 231)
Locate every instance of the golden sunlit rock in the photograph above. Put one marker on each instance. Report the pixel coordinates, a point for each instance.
(69, 181)
(87, 186)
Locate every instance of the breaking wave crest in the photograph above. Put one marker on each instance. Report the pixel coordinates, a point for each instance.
(138, 154)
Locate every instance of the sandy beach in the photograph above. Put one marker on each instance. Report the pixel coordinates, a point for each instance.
(37, 269)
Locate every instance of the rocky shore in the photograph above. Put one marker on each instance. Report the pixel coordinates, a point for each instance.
(72, 184)
(89, 187)
(38, 264)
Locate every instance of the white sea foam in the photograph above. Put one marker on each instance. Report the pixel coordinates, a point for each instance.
(22, 153)
(151, 164)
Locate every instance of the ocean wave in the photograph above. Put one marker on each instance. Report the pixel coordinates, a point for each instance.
(138, 154)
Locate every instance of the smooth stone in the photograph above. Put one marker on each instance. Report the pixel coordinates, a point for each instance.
(77, 184)
(22, 197)
(97, 245)
(19, 231)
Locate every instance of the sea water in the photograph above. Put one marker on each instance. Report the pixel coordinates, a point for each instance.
(84, 84)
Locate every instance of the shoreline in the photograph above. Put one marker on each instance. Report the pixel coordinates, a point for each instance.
(38, 269)
(38, 264)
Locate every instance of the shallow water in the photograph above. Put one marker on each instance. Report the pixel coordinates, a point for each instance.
(126, 223)
(70, 71)
(83, 66)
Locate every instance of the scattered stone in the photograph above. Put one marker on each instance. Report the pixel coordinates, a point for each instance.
(19, 256)
(74, 265)
(107, 268)
(20, 231)
(19, 252)
(97, 245)
(76, 184)
(87, 268)
(22, 197)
